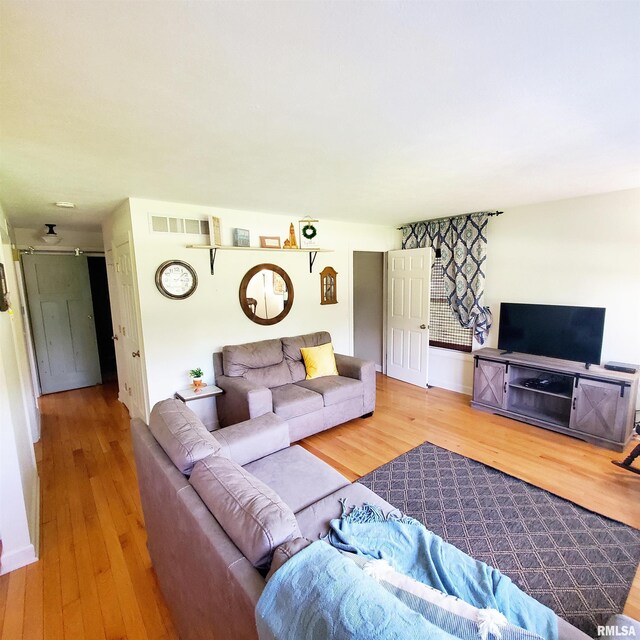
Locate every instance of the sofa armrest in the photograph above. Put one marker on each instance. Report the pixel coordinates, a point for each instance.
(241, 400)
(253, 439)
(363, 370)
(285, 552)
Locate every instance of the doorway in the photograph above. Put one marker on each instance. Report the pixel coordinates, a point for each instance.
(102, 315)
(368, 306)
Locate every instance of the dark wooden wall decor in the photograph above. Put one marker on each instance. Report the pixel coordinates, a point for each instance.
(328, 286)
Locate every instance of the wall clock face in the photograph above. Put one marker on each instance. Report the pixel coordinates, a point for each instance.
(176, 279)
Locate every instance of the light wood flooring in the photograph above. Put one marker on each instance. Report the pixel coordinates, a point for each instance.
(94, 578)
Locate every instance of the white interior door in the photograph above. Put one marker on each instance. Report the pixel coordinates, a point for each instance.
(126, 328)
(408, 281)
(61, 312)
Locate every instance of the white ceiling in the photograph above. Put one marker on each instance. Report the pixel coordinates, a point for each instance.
(383, 112)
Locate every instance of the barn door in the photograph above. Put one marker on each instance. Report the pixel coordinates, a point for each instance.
(61, 314)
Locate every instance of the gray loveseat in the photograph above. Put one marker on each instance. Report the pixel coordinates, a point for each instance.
(220, 507)
(269, 376)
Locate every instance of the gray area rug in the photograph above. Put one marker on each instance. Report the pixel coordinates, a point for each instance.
(578, 563)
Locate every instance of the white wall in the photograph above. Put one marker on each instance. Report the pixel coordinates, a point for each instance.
(182, 334)
(19, 490)
(583, 251)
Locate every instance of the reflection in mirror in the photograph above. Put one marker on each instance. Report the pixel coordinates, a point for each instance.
(266, 294)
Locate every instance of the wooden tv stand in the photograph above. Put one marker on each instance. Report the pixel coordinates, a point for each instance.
(595, 404)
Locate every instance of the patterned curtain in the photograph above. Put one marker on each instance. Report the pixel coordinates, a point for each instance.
(463, 250)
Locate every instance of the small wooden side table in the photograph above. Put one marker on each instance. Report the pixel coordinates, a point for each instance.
(187, 395)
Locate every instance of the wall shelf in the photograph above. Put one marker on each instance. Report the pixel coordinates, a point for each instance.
(213, 250)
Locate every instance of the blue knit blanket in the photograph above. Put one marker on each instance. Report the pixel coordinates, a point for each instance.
(413, 550)
(319, 594)
(325, 593)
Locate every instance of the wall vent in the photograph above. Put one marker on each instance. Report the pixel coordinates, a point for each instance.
(169, 224)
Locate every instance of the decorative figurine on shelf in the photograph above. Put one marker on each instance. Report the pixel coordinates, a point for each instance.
(291, 242)
(196, 374)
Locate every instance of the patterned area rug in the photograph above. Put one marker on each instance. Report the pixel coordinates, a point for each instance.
(576, 562)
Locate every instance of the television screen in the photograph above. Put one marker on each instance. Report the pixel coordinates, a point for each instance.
(569, 333)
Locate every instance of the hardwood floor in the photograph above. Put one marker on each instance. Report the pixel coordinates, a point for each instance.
(94, 578)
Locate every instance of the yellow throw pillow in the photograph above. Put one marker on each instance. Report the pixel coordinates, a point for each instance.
(319, 361)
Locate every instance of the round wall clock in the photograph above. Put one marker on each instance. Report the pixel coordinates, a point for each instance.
(176, 279)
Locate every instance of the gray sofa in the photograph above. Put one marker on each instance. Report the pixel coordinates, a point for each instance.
(269, 376)
(220, 507)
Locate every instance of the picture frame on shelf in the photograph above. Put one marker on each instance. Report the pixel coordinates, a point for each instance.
(309, 233)
(241, 238)
(270, 242)
(215, 235)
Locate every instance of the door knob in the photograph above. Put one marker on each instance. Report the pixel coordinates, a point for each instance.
(423, 326)
(114, 337)
(135, 354)
(90, 317)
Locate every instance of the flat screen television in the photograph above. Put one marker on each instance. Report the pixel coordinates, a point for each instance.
(568, 333)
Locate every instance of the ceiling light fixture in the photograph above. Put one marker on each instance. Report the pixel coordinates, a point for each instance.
(51, 237)
(65, 205)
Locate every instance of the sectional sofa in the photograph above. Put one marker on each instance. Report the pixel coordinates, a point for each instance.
(221, 509)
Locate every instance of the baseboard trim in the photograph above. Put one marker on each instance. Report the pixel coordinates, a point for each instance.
(458, 388)
(17, 559)
(34, 520)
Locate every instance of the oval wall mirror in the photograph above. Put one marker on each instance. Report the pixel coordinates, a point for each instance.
(266, 294)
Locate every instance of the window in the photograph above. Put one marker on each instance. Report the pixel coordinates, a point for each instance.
(444, 328)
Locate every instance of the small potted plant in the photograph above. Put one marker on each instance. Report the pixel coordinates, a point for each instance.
(196, 374)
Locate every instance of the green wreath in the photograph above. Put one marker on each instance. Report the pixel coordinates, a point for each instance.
(309, 231)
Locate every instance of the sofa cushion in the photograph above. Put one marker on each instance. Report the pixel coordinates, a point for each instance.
(252, 514)
(181, 434)
(297, 476)
(334, 389)
(319, 361)
(260, 362)
(291, 348)
(314, 520)
(292, 400)
(273, 376)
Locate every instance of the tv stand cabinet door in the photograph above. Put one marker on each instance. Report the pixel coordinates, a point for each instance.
(489, 383)
(599, 410)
